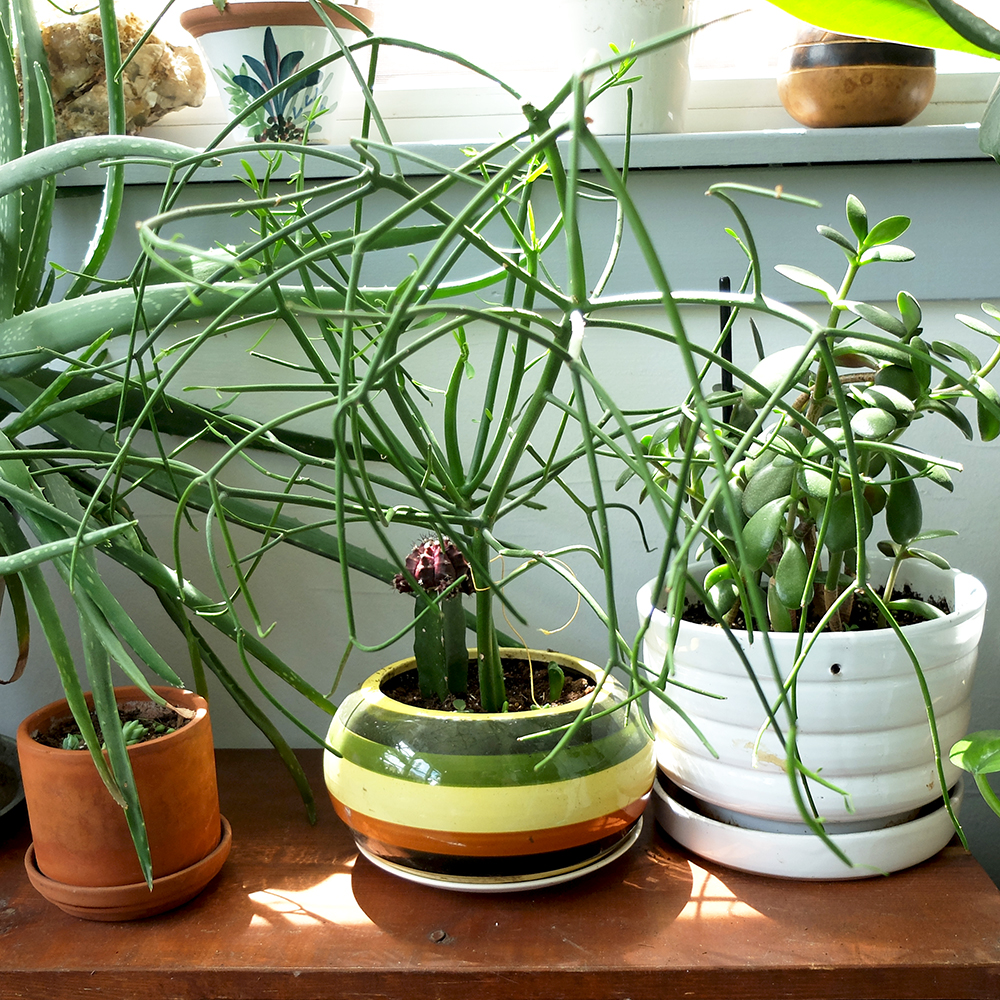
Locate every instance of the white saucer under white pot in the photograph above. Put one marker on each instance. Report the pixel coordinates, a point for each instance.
(787, 850)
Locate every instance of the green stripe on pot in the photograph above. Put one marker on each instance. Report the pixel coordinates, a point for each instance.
(476, 734)
(491, 770)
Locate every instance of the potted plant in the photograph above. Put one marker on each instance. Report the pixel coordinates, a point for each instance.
(82, 856)
(857, 649)
(255, 47)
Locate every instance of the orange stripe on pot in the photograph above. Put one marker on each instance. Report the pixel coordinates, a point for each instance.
(500, 844)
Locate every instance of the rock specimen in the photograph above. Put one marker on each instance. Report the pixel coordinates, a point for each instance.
(159, 79)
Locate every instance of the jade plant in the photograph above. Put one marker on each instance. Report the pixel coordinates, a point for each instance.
(788, 476)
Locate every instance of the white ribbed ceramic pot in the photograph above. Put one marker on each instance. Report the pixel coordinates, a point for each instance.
(861, 718)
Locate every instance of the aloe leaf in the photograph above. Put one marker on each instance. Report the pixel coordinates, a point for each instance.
(105, 705)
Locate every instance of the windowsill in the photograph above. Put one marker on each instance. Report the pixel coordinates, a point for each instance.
(769, 147)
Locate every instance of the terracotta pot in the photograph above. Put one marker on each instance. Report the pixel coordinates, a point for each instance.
(248, 44)
(457, 800)
(80, 834)
(861, 724)
(838, 81)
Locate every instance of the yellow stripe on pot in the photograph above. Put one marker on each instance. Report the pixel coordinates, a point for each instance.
(486, 810)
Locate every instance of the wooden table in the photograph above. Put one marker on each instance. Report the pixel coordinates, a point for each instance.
(295, 913)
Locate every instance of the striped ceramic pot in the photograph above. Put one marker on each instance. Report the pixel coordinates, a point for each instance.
(458, 799)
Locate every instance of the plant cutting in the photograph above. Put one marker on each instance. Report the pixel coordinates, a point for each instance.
(790, 491)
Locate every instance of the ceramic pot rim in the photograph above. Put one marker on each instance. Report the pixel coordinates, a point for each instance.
(57, 709)
(205, 20)
(967, 587)
(371, 689)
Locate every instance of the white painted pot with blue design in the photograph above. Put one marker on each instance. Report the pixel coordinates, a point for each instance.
(253, 46)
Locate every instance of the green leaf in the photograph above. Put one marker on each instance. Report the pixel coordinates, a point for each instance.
(932, 557)
(857, 216)
(949, 349)
(989, 422)
(968, 25)
(978, 325)
(909, 310)
(777, 614)
(842, 241)
(783, 366)
(841, 533)
(915, 607)
(892, 253)
(773, 482)
(872, 349)
(873, 422)
(900, 379)
(913, 22)
(954, 414)
(903, 512)
(978, 753)
(814, 483)
(807, 279)
(887, 398)
(920, 363)
(790, 575)
(878, 317)
(887, 230)
(761, 532)
(721, 511)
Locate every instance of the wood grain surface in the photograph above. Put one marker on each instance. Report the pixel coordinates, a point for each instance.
(295, 913)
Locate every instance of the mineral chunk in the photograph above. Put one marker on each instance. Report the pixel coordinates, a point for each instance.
(160, 78)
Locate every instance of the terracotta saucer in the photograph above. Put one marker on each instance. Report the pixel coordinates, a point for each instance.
(130, 902)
